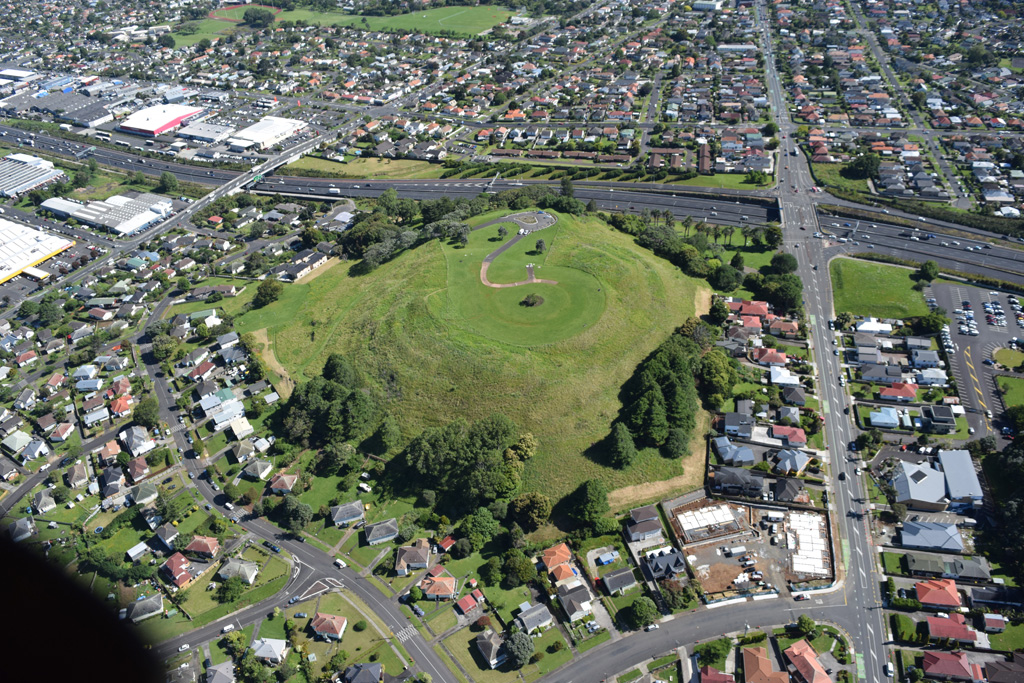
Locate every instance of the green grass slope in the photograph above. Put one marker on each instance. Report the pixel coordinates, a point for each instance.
(441, 345)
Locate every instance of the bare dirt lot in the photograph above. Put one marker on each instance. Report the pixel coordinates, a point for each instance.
(266, 352)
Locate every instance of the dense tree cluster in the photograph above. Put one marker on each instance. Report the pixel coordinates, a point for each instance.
(662, 399)
(1010, 465)
(469, 464)
(330, 408)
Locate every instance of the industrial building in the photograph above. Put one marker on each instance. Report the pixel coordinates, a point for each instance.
(266, 133)
(66, 106)
(121, 214)
(21, 173)
(153, 121)
(22, 247)
(206, 132)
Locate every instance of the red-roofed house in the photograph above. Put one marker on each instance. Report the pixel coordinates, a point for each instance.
(757, 308)
(283, 483)
(898, 391)
(207, 546)
(119, 386)
(466, 604)
(750, 322)
(953, 627)
(138, 468)
(439, 585)
(176, 569)
(803, 658)
(202, 372)
(562, 572)
(446, 544)
(994, 623)
(769, 357)
(938, 594)
(121, 406)
(950, 666)
(556, 555)
(330, 626)
(709, 674)
(790, 436)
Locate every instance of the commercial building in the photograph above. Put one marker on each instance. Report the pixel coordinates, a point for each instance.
(21, 173)
(121, 214)
(266, 133)
(22, 247)
(206, 132)
(153, 121)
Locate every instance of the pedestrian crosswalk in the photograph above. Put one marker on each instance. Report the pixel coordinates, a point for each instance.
(405, 634)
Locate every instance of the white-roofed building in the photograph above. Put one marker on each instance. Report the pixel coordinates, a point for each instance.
(22, 247)
(119, 214)
(266, 133)
(21, 173)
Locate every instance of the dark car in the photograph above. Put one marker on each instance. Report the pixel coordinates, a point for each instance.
(842, 476)
(301, 615)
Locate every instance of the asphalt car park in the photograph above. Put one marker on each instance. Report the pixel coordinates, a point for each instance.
(974, 341)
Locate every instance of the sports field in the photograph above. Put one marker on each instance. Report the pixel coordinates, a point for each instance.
(875, 289)
(468, 21)
(449, 347)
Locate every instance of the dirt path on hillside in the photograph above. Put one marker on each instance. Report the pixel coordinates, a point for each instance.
(530, 280)
(306, 279)
(703, 303)
(287, 385)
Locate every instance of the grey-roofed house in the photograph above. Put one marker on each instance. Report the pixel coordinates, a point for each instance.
(732, 454)
(645, 530)
(938, 419)
(21, 529)
(995, 595)
(734, 481)
(258, 469)
(791, 490)
(920, 486)
(381, 532)
(619, 581)
(932, 536)
(666, 564)
(146, 608)
(243, 568)
(962, 485)
(221, 673)
(492, 648)
(242, 450)
(271, 650)
(739, 424)
(884, 374)
(343, 515)
(533, 617)
(365, 673)
(924, 358)
(575, 600)
(167, 533)
(43, 502)
(794, 396)
(792, 461)
(144, 493)
(925, 565)
(790, 413)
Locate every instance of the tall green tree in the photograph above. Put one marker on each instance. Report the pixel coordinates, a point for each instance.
(623, 450)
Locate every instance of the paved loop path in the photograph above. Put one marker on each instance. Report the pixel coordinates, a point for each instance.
(541, 221)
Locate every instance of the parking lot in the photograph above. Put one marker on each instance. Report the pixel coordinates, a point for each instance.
(973, 342)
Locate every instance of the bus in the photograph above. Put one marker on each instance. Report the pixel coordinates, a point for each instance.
(102, 135)
(122, 143)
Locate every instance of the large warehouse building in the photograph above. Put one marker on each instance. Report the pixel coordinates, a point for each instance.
(22, 247)
(120, 214)
(21, 173)
(266, 133)
(153, 121)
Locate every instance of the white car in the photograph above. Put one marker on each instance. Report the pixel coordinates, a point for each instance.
(340, 563)
(184, 647)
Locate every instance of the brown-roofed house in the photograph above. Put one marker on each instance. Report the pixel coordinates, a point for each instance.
(805, 660)
(330, 626)
(207, 546)
(556, 555)
(757, 667)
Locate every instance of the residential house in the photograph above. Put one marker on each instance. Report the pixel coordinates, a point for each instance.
(735, 481)
(270, 650)
(738, 424)
(21, 529)
(204, 546)
(242, 568)
(166, 535)
(258, 470)
(791, 462)
(951, 628)
(177, 570)
(144, 493)
(221, 673)
(36, 448)
(950, 666)
(884, 418)
(709, 674)
(938, 419)
(283, 483)
(381, 532)
(901, 392)
(412, 557)
(940, 536)
(138, 468)
(77, 476)
(491, 648)
(789, 436)
(43, 502)
(665, 563)
(136, 439)
(619, 581)
(732, 454)
(925, 358)
(757, 667)
(644, 524)
(16, 442)
(556, 555)
(438, 584)
(938, 594)
(804, 661)
(145, 608)
(575, 600)
(348, 513)
(534, 617)
(328, 626)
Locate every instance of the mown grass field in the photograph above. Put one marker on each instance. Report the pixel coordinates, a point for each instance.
(409, 320)
(1009, 357)
(1013, 389)
(875, 289)
(467, 21)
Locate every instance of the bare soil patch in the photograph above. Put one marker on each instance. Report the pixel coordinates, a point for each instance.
(266, 352)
